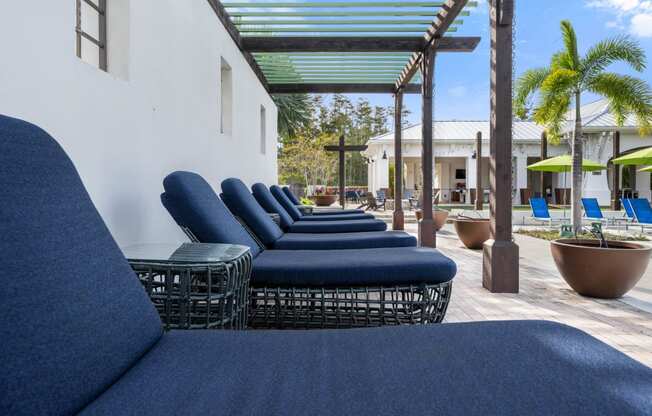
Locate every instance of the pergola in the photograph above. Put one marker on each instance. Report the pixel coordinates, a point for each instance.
(388, 47)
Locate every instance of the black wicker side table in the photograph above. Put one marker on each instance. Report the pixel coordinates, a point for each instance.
(195, 285)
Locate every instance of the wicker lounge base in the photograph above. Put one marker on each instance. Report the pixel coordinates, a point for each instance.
(294, 308)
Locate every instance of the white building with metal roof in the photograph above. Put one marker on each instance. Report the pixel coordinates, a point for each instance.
(455, 165)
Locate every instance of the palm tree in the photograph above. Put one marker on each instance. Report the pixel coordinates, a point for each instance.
(293, 113)
(569, 75)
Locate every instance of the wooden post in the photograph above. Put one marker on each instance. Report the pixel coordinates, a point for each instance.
(479, 191)
(544, 156)
(426, 225)
(342, 174)
(615, 189)
(500, 253)
(398, 220)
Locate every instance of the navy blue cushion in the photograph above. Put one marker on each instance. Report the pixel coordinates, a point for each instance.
(237, 197)
(338, 217)
(337, 226)
(291, 196)
(509, 368)
(270, 204)
(192, 202)
(285, 202)
(73, 315)
(343, 241)
(332, 268)
(336, 211)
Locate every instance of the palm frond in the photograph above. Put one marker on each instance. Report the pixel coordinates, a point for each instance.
(609, 51)
(560, 81)
(626, 95)
(551, 112)
(526, 85)
(570, 43)
(293, 112)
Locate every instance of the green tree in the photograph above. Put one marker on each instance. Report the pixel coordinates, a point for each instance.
(561, 84)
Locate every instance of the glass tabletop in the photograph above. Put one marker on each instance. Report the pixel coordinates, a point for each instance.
(183, 253)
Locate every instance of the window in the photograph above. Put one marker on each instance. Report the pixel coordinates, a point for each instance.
(91, 32)
(263, 130)
(226, 97)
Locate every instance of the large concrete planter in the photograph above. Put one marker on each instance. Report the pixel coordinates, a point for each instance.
(324, 200)
(472, 231)
(440, 217)
(598, 272)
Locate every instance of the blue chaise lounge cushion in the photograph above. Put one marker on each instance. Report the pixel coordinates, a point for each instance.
(295, 201)
(193, 203)
(291, 196)
(294, 212)
(271, 205)
(343, 241)
(509, 368)
(344, 268)
(74, 317)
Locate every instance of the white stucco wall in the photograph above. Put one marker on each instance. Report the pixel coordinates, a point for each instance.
(156, 111)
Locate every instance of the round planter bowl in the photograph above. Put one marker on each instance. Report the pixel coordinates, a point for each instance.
(606, 273)
(440, 217)
(324, 200)
(473, 232)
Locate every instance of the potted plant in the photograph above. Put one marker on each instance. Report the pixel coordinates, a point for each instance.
(321, 198)
(439, 216)
(600, 268)
(473, 232)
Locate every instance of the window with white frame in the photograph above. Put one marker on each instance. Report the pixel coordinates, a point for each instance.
(226, 97)
(263, 130)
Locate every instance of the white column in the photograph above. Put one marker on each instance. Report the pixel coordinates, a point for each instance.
(521, 178)
(643, 184)
(382, 170)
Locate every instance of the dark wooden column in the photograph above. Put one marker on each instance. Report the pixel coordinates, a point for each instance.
(342, 175)
(500, 253)
(479, 191)
(398, 220)
(426, 225)
(615, 189)
(544, 155)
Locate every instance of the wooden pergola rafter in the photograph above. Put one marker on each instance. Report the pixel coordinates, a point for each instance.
(388, 47)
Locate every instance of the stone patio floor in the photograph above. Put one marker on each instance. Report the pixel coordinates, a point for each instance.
(544, 295)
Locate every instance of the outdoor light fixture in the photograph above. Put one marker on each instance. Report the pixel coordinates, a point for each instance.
(474, 155)
(384, 155)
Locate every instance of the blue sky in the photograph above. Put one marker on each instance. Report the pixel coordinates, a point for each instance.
(462, 80)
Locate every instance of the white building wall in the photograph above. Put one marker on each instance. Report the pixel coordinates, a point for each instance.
(156, 111)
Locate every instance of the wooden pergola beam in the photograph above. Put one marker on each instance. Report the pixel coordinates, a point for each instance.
(440, 24)
(232, 30)
(289, 44)
(340, 88)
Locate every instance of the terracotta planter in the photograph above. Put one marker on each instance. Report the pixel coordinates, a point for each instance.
(440, 217)
(597, 272)
(472, 231)
(324, 200)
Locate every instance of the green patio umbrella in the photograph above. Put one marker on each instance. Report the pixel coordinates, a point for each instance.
(563, 164)
(640, 157)
(647, 169)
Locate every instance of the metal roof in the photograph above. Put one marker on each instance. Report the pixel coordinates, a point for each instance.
(462, 131)
(327, 18)
(596, 116)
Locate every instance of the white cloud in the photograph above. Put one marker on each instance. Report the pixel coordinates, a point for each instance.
(635, 14)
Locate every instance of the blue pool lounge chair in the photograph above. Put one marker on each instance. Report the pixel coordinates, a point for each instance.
(244, 205)
(184, 190)
(593, 212)
(627, 206)
(79, 335)
(297, 215)
(541, 213)
(326, 211)
(642, 212)
(320, 288)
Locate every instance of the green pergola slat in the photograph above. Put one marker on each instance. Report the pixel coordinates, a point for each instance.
(333, 13)
(328, 66)
(337, 22)
(327, 4)
(373, 29)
